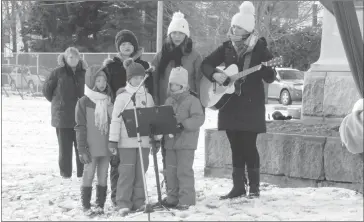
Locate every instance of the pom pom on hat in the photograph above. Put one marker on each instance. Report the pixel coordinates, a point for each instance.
(179, 24)
(133, 68)
(247, 8)
(245, 18)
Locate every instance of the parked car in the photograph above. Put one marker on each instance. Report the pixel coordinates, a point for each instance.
(5, 71)
(287, 87)
(27, 77)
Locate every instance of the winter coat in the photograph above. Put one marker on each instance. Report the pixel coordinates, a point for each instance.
(88, 136)
(116, 73)
(118, 132)
(63, 88)
(191, 62)
(247, 111)
(351, 129)
(189, 113)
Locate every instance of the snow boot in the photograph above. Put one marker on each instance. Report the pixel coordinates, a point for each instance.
(239, 182)
(254, 180)
(86, 193)
(101, 192)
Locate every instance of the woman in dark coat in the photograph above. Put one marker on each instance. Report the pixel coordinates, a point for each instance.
(243, 117)
(63, 88)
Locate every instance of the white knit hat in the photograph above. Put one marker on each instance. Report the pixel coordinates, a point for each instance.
(245, 18)
(179, 24)
(179, 76)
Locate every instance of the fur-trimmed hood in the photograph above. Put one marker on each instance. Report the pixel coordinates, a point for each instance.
(61, 61)
(136, 56)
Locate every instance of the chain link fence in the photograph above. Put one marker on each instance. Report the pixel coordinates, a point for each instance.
(25, 73)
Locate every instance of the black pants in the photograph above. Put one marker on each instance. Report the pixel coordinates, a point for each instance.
(66, 141)
(114, 176)
(244, 148)
(163, 149)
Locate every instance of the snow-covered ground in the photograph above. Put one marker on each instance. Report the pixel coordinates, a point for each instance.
(33, 190)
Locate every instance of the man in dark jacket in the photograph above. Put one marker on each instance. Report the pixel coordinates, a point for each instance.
(127, 46)
(63, 88)
(243, 116)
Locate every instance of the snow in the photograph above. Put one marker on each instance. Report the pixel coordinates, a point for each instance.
(33, 190)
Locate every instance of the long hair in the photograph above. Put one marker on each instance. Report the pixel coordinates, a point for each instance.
(172, 53)
(107, 91)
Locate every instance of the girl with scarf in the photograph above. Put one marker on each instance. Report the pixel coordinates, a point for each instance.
(93, 113)
(243, 117)
(63, 87)
(130, 188)
(177, 50)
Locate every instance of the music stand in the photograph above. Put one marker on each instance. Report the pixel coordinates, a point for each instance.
(151, 121)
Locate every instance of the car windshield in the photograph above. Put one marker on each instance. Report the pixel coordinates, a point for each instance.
(290, 74)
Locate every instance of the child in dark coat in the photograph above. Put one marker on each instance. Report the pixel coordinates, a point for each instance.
(180, 149)
(93, 112)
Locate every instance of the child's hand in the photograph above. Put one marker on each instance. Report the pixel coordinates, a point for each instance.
(85, 157)
(157, 147)
(113, 147)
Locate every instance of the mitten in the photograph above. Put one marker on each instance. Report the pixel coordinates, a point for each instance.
(113, 147)
(84, 155)
(180, 127)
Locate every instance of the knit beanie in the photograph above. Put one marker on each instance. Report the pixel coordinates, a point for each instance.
(179, 75)
(133, 69)
(126, 36)
(91, 73)
(245, 18)
(178, 24)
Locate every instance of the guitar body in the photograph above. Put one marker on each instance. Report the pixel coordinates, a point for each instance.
(215, 96)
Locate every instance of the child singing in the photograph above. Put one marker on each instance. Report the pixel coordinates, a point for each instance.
(130, 188)
(180, 149)
(93, 112)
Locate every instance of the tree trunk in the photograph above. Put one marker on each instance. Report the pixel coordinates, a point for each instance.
(13, 27)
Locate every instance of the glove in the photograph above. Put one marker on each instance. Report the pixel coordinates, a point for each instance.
(157, 147)
(180, 127)
(113, 148)
(84, 156)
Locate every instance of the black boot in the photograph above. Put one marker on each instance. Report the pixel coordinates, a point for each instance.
(101, 192)
(239, 182)
(86, 198)
(254, 180)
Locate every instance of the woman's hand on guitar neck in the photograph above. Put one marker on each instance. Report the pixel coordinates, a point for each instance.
(220, 77)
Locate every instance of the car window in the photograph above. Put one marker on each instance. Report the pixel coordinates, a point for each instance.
(291, 74)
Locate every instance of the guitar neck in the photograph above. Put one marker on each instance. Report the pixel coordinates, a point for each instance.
(246, 72)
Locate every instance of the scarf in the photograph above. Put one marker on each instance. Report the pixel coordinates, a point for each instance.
(243, 44)
(101, 100)
(170, 55)
(132, 89)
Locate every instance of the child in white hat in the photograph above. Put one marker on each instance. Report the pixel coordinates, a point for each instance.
(180, 149)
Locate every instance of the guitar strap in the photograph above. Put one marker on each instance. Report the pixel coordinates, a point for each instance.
(238, 83)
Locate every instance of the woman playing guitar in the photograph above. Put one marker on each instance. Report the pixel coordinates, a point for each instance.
(243, 116)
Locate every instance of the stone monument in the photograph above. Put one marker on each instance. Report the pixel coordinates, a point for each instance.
(329, 90)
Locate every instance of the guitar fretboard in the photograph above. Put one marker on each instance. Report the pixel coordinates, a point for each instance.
(246, 72)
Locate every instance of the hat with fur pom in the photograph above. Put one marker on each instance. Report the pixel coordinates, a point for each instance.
(245, 18)
(133, 69)
(178, 24)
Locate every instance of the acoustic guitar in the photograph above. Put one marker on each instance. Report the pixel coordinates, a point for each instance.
(214, 95)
